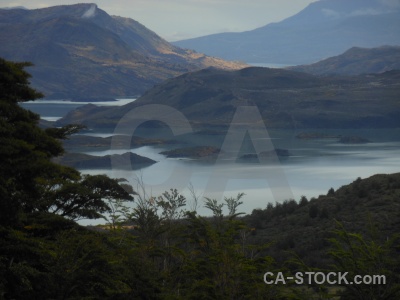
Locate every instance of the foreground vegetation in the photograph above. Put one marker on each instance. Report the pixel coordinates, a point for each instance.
(160, 249)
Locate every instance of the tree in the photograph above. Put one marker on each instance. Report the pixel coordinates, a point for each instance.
(363, 256)
(215, 207)
(218, 267)
(64, 132)
(82, 266)
(313, 211)
(42, 254)
(14, 84)
(233, 203)
(25, 149)
(89, 197)
(171, 204)
(303, 201)
(29, 180)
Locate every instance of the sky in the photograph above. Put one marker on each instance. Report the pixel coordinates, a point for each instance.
(181, 19)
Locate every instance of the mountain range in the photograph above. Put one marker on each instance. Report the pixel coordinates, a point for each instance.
(356, 61)
(285, 99)
(79, 51)
(323, 29)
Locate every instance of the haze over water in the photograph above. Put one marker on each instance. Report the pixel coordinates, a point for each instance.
(314, 166)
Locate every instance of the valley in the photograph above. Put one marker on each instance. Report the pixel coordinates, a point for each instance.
(136, 168)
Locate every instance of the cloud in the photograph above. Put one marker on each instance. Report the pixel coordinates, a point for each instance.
(190, 18)
(366, 12)
(391, 3)
(384, 7)
(331, 13)
(90, 12)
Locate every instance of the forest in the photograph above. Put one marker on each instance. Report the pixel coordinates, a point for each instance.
(160, 247)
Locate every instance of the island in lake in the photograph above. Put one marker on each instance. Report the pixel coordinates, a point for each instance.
(340, 139)
(193, 152)
(82, 161)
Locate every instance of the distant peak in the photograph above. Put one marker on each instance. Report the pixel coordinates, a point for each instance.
(361, 7)
(91, 12)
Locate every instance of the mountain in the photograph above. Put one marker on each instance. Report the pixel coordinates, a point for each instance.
(323, 29)
(79, 51)
(356, 61)
(286, 99)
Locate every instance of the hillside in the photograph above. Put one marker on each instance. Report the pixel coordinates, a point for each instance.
(145, 240)
(356, 61)
(79, 51)
(286, 99)
(323, 29)
(369, 206)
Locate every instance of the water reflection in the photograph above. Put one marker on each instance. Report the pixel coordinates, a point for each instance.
(314, 166)
(309, 174)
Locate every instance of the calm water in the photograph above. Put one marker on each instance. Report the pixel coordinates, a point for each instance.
(311, 173)
(312, 169)
(267, 65)
(52, 110)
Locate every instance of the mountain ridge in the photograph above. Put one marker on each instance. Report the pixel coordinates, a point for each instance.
(81, 51)
(356, 61)
(323, 29)
(285, 99)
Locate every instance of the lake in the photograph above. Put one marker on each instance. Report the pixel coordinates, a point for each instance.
(52, 110)
(314, 166)
(270, 65)
(312, 169)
